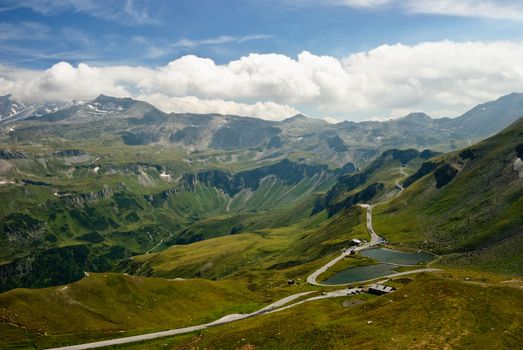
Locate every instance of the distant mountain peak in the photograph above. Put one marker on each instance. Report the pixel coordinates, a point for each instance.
(296, 117)
(302, 120)
(416, 116)
(511, 96)
(110, 103)
(111, 99)
(490, 117)
(10, 107)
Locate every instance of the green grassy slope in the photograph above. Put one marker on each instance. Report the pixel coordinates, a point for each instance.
(113, 305)
(476, 212)
(270, 252)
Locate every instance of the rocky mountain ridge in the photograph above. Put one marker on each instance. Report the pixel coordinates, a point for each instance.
(138, 123)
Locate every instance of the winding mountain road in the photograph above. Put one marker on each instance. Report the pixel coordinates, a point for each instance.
(226, 319)
(398, 185)
(375, 240)
(279, 305)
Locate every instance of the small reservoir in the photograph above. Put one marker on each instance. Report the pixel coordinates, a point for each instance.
(360, 273)
(389, 260)
(397, 257)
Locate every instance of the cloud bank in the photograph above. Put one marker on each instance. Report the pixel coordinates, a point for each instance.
(442, 78)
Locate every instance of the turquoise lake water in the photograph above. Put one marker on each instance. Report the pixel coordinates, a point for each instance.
(360, 273)
(384, 256)
(397, 257)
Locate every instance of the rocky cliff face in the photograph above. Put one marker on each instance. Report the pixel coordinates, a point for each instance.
(79, 199)
(70, 153)
(8, 155)
(288, 171)
(15, 270)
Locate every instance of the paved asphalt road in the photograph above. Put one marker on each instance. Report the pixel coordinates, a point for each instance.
(375, 240)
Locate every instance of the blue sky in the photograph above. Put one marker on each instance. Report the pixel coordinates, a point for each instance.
(315, 42)
(42, 33)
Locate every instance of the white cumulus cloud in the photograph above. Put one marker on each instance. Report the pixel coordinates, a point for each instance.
(192, 104)
(441, 78)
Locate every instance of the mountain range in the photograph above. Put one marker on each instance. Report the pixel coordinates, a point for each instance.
(139, 123)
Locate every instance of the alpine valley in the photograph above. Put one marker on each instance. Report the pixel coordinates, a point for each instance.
(119, 220)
